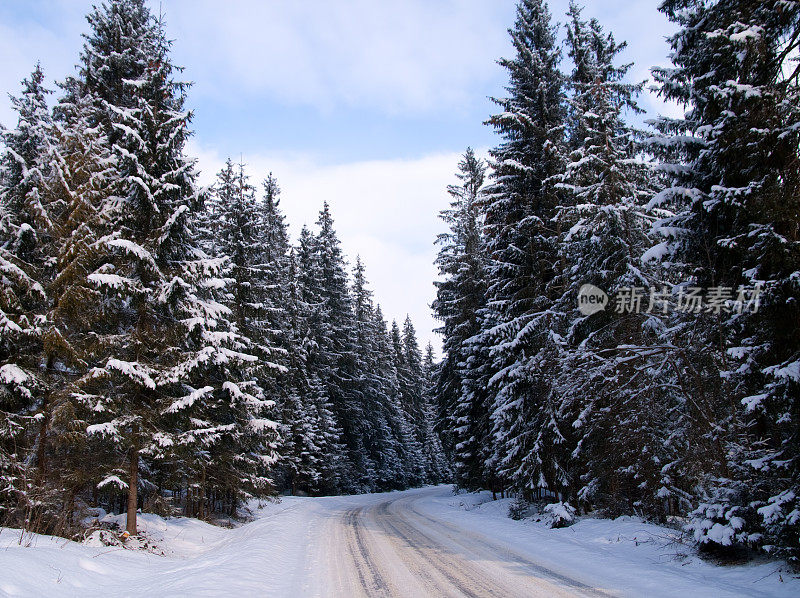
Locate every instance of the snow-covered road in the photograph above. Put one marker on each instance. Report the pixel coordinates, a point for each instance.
(392, 548)
(423, 542)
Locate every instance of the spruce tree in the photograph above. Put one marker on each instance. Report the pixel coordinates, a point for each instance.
(274, 268)
(28, 216)
(302, 445)
(412, 457)
(385, 432)
(522, 244)
(167, 378)
(398, 441)
(436, 465)
(460, 297)
(412, 391)
(733, 166)
(603, 224)
(238, 237)
(85, 180)
(342, 376)
(304, 448)
(313, 332)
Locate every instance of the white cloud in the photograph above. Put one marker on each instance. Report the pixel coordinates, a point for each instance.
(385, 211)
(390, 57)
(413, 57)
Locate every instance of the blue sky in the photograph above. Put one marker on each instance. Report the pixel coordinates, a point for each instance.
(366, 104)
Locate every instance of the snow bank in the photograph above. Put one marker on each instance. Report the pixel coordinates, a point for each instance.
(199, 559)
(624, 555)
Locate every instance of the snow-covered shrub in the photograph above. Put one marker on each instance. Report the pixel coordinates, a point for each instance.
(780, 519)
(559, 514)
(716, 523)
(722, 529)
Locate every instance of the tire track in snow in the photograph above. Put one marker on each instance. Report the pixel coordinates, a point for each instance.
(369, 575)
(477, 543)
(428, 554)
(390, 549)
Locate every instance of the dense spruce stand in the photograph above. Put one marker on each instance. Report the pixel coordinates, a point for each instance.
(164, 346)
(170, 348)
(658, 412)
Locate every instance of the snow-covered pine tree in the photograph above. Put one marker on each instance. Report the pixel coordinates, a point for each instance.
(83, 179)
(281, 329)
(275, 247)
(302, 446)
(26, 264)
(395, 473)
(518, 208)
(211, 219)
(338, 348)
(412, 389)
(734, 170)
(26, 165)
(236, 237)
(373, 429)
(436, 466)
(65, 183)
(115, 52)
(382, 427)
(238, 233)
(412, 449)
(470, 420)
(311, 333)
(459, 296)
(167, 373)
(603, 382)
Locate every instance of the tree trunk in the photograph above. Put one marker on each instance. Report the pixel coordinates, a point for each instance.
(133, 497)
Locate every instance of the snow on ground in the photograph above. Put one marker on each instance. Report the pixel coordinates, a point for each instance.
(291, 549)
(623, 555)
(202, 559)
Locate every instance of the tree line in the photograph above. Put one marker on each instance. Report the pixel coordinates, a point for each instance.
(643, 407)
(165, 346)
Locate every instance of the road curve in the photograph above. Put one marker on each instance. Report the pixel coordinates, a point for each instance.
(391, 548)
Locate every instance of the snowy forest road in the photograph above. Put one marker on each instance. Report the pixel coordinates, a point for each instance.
(424, 542)
(391, 548)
